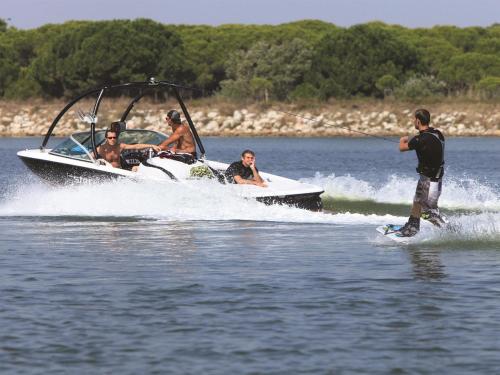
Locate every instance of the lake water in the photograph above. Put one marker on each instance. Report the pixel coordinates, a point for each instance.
(130, 278)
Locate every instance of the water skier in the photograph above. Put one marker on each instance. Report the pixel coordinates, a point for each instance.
(429, 146)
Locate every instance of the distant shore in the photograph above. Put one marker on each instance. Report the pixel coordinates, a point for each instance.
(347, 118)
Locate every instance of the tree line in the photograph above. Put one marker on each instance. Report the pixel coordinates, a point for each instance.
(293, 61)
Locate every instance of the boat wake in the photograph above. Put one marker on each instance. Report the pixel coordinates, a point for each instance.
(394, 196)
(125, 200)
(472, 207)
(201, 200)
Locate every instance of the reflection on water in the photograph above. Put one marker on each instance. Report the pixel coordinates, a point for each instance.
(426, 264)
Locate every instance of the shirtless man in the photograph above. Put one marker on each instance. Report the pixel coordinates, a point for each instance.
(181, 137)
(111, 149)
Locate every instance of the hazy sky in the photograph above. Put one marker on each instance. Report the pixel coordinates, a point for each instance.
(411, 13)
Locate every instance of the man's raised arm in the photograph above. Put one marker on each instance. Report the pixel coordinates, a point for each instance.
(403, 144)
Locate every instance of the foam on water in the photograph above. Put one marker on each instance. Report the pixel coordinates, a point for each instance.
(457, 193)
(210, 201)
(464, 229)
(475, 228)
(202, 200)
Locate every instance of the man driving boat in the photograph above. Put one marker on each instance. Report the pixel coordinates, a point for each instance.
(181, 138)
(111, 149)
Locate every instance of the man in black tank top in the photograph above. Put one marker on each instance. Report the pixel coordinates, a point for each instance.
(429, 145)
(245, 171)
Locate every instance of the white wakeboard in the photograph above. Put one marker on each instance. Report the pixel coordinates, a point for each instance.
(391, 231)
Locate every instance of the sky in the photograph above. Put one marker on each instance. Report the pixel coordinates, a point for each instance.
(27, 14)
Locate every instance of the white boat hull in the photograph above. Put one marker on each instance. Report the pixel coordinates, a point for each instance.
(63, 170)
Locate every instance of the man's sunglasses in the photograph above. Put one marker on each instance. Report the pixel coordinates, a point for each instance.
(111, 137)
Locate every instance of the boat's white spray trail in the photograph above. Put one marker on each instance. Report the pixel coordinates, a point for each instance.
(207, 200)
(210, 201)
(484, 227)
(457, 193)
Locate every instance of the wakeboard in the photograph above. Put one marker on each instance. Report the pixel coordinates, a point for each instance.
(391, 231)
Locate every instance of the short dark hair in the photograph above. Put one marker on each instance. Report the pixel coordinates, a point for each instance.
(423, 116)
(174, 116)
(247, 152)
(111, 131)
(117, 127)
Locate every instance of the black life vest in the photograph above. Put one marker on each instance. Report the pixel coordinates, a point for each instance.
(434, 170)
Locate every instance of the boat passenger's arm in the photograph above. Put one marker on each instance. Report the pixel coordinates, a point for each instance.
(256, 176)
(239, 180)
(172, 139)
(139, 146)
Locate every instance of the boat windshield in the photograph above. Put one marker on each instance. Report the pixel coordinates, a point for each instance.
(76, 146)
(133, 136)
(79, 145)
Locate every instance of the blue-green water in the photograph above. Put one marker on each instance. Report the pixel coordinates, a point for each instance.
(126, 277)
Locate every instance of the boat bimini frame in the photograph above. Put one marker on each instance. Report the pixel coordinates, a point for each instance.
(144, 87)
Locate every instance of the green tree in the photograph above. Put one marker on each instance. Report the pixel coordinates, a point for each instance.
(65, 59)
(275, 69)
(490, 87)
(421, 86)
(386, 84)
(208, 48)
(488, 46)
(304, 91)
(24, 87)
(260, 88)
(9, 70)
(464, 39)
(352, 60)
(463, 71)
(3, 25)
(435, 53)
(87, 54)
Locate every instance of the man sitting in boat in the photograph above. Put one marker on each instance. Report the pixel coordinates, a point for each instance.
(111, 149)
(245, 171)
(181, 138)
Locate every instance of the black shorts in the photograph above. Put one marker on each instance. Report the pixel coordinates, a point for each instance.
(184, 157)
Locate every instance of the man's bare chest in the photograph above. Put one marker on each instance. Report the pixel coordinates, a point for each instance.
(112, 152)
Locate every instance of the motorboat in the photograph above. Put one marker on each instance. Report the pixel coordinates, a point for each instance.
(76, 160)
